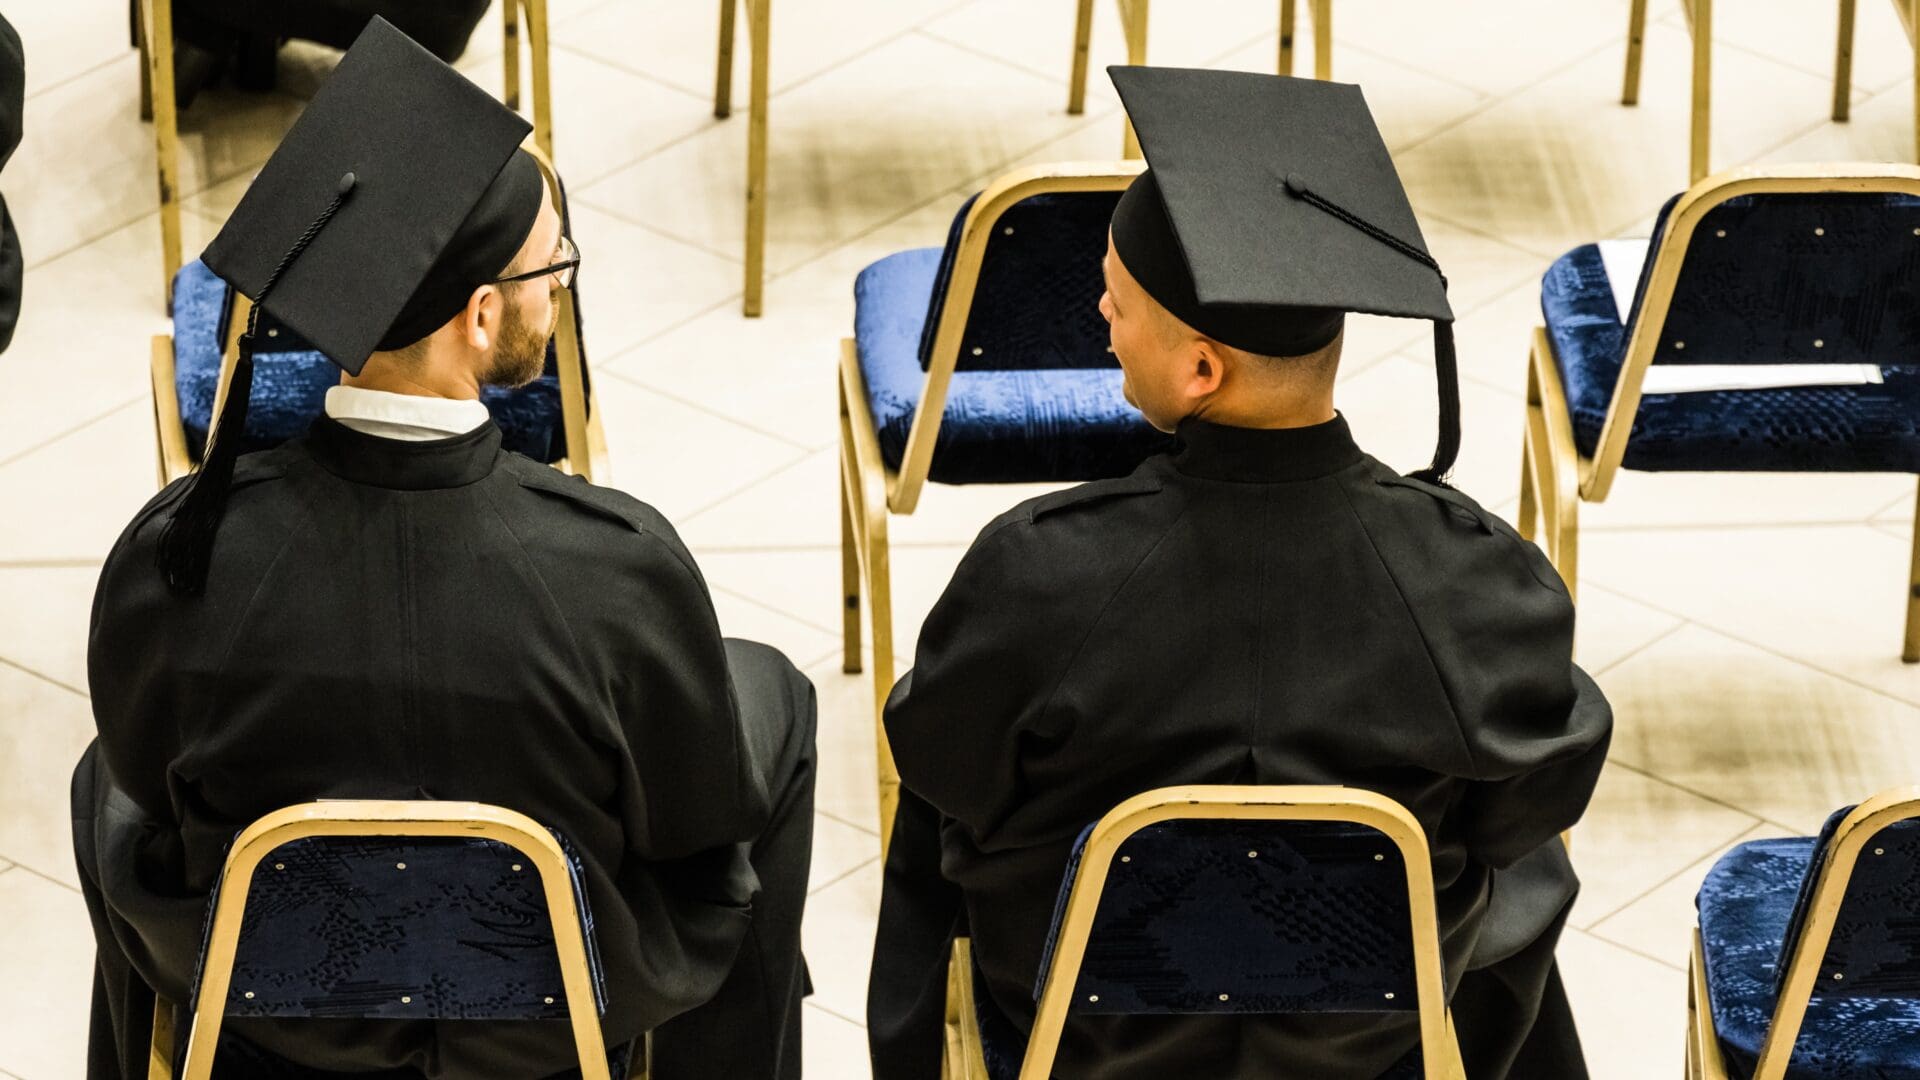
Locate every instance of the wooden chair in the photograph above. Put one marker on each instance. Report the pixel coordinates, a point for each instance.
(936, 360)
(154, 32)
(212, 319)
(1169, 872)
(1699, 15)
(1832, 240)
(1803, 956)
(429, 880)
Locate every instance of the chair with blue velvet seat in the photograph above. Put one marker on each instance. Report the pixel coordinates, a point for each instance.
(982, 362)
(554, 419)
(1805, 962)
(396, 911)
(1810, 266)
(1228, 900)
(153, 34)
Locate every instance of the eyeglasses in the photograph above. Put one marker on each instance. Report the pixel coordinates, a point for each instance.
(562, 271)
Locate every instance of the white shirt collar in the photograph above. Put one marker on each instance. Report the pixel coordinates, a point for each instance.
(408, 417)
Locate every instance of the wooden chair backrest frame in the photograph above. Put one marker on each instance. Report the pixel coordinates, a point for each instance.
(580, 420)
(904, 486)
(1834, 873)
(1597, 473)
(399, 819)
(1237, 802)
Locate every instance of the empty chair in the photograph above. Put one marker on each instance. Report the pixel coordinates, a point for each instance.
(985, 361)
(395, 911)
(1229, 900)
(153, 31)
(1796, 285)
(553, 419)
(1804, 963)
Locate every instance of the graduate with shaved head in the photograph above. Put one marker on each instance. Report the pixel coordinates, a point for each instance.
(1265, 604)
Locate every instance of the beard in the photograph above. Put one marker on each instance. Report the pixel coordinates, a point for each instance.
(521, 355)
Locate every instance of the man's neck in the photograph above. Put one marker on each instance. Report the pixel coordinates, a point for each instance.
(1266, 414)
(422, 380)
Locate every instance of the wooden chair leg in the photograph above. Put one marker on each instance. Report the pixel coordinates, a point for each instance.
(723, 68)
(538, 45)
(849, 578)
(1133, 18)
(1529, 513)
(1843, 64)
(161, 1047)
(880, 608)
(1564, 551)
(758, 16)
(1082, 42)
(1913, 34)
(510, 60)
(1910, 652)
(1286, 37)
(1636, 39)
(1323, 39)
(156, 31)
(1701, 149)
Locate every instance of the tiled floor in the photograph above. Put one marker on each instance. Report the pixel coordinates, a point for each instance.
(1745, 627)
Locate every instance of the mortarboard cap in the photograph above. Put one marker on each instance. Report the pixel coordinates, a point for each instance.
(1270, 209)
(399, 191)
(441, 202)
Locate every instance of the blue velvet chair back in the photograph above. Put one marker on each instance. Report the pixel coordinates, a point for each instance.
(1248, 916)
(410, 929)
(1875, 946)
(1804, 279)
(1037, 304)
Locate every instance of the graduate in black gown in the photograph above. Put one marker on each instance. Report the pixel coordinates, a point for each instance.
(1266, 604)
(13, 88)
(393, 607)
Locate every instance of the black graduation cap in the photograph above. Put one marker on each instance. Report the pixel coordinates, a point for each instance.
(1270, 209)
(399, 191)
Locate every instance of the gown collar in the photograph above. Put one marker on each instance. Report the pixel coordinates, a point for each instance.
(360, 458)
(1255, 455)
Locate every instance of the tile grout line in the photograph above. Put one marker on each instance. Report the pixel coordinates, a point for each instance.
(1731, 526)
(1613, 762)
(838, 1016)
(764, 606)
(48, 878)
(844, 874)
(68, 433)
(43, 677)
(710, 411)
(1753, 823)
(868, 829)
(79, 75)
(1636, 650)
(1610, 943)
(1511, 94)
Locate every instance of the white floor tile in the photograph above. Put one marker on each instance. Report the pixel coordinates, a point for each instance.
(44, 611)
(833, 1046)
(1631, 1011)
(46, 978)
(1638, 832)
(45, 729)
(111, 459)
(648, 437)
(1661, 923)
(838, 938)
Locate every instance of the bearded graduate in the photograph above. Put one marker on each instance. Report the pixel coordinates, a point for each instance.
(393, 607)
(1267, 604)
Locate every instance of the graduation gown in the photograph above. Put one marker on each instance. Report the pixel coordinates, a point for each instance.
(423, 620)
(1257, 607)
(440, 26)
(13, 87)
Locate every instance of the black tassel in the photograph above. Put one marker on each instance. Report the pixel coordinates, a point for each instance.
(186, 547)
(1446, 369)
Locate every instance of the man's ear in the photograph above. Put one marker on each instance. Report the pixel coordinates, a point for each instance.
(480, 322)
(1207, 368)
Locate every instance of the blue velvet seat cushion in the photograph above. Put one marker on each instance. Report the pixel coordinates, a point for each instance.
(1760, 293)
(1000, 426)
(290, 388)
(1747, 905)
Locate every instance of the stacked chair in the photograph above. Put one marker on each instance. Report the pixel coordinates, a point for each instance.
(553, 419)
(393, 911)
(1804, 962)
(985, 361)
(1699, 16)
(1811, 264)
(154, 32)
(1167, 907)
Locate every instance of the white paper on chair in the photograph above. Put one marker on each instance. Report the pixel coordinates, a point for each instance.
(1623, 260)
(1693, 378)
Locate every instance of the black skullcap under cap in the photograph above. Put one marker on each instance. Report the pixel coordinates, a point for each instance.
(1271, 207)
(442, 200)
(400, 190)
